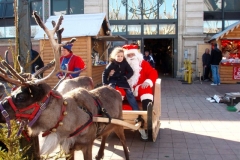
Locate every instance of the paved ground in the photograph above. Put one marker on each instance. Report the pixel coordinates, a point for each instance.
(191, 127)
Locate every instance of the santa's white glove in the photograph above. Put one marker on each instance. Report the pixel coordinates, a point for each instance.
(145, 85)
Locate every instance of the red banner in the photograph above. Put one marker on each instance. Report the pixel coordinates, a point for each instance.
(236, 73)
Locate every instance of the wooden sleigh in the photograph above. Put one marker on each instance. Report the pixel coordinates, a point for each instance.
(148, 120)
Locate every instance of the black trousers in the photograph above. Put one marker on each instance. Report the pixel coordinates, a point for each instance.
(206, 72)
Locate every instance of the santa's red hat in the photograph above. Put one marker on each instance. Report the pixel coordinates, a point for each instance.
(130, 48)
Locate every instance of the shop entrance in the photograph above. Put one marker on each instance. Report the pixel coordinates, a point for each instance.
(162, 52)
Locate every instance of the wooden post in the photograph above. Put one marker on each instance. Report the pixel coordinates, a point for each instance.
(24, 33)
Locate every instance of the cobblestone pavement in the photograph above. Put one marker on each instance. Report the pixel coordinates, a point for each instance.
(191, 127)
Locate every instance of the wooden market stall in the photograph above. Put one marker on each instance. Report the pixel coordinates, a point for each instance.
(229, 43)
(93, 35)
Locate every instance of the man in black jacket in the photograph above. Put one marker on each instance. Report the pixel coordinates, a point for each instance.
(216, 57)
(206, 58)
(38, 63)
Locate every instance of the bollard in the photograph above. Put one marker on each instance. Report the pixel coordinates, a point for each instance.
(189, 72)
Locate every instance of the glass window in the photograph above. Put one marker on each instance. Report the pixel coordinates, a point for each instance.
(2, 32)
(59, 7)
(150, 9)
(167, 29)
(212, 5)
(34, 30)
(10, 31)
(76, 7)
(134, 29)
(62, 7)
(36, 6)
(232, 5)
(117, 9)
(150, 29)
(118, 29)
(228, 23)
(212, 26)
(134, 8)
(1, 10)
(9, 12)
(168, 9)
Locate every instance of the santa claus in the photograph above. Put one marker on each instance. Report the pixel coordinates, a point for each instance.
(142, 80)
(144, 75)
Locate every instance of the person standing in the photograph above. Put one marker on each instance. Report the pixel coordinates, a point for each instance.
(37, 64)
(70, 62)
(206, 58)
(149, 58)
(216, 57)
(121, 71)
(165, 62)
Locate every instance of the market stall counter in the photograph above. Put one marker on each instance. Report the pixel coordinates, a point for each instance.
(229, 72)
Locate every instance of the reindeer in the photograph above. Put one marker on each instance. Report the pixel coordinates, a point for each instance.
(64, 119)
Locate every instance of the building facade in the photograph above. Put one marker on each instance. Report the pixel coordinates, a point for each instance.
(168, 28)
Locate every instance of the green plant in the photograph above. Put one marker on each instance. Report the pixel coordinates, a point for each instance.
(15, 151)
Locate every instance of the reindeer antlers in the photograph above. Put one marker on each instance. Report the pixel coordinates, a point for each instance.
(12, 71)
(56, 47)
(5, 76)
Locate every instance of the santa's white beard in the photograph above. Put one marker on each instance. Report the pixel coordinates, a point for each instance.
(135, 64)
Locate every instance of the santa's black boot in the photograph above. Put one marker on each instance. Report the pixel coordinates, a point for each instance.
(145, 104)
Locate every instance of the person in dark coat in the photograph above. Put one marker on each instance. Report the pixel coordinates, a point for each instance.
(216, 57)
(147, 57)
(117, 73)
(206, 60)
(36, 64)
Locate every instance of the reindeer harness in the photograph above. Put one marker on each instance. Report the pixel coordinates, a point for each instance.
(101, 112)
(37, 107)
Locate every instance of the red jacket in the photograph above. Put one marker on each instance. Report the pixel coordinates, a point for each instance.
(74, 63)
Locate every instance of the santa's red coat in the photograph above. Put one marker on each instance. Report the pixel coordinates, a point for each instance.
(147, 74)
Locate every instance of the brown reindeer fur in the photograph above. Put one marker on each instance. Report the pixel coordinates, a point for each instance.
(69, 84)
(111, 100)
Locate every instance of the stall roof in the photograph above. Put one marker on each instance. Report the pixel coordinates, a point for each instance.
(225, 32)
(76, 25)
(110, 38)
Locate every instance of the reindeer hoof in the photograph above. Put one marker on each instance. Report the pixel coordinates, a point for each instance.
(98, 157)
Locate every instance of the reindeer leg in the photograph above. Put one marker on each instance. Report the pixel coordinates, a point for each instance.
(71, 153)
(87, 151)
(102, 147)
(120, 133)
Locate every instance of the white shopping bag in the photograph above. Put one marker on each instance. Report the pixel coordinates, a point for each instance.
(217, 98)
